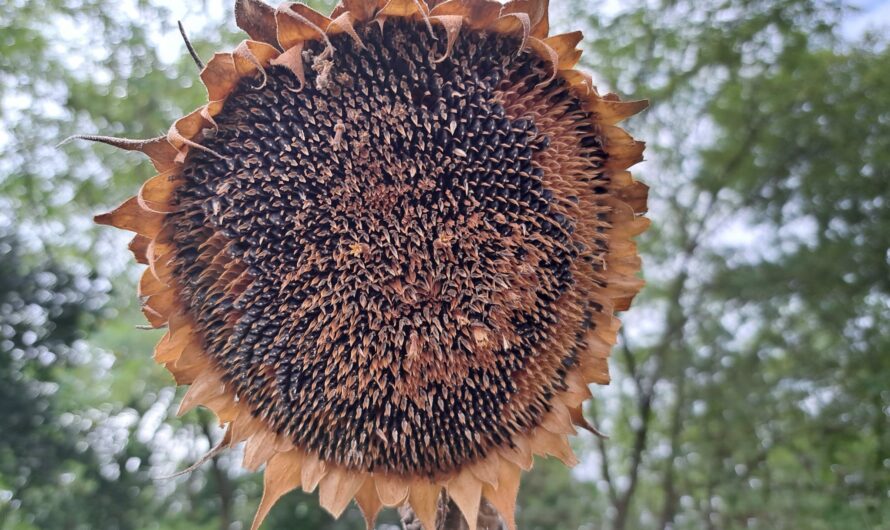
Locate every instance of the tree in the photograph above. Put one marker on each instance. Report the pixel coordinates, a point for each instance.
(753, 398)
(45, 313)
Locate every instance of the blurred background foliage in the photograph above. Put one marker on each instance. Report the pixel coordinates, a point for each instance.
(751, 387)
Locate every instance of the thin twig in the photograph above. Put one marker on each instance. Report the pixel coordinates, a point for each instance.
(604, 458)
(191, 48)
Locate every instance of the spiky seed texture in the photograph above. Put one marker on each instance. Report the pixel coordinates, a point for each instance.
(389, 249)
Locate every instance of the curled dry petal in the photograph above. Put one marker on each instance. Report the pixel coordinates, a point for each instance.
(257, 19)
(452, 24)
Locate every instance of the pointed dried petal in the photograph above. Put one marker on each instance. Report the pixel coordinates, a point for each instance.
(558, 420)
(547, 443)
(581, 83)
(337, 488)
(244, 426)
(149, 284)
(314, 469)
(636, 196)
(406, 9)
(160, 265)
(251, 56)
(192, 356)
(486, 469)
(392, 490)
(259, 448)
(565, 45)
(130, 216)
(622, 288)
(612, 111)
(578, 419)
(186, 374)
(622, 154)
(282, 475)
(424, 500)
(624, 219)
(368, 502)
(521, 454)
(503, 498)
(466, 492)
(206, 387)
(224, 407)
(171, 345)
(162, 303)
(540, 10)
(155, 319)
(577, 392)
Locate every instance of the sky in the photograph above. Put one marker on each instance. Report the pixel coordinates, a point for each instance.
(873, 14)
(868, 15)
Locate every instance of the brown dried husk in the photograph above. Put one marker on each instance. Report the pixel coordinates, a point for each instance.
(279, 37)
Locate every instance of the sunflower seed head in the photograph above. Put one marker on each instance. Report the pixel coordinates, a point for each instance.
(392, 264)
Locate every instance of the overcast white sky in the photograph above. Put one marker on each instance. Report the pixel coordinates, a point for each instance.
(872, 14)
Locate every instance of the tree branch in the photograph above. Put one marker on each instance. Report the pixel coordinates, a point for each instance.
(223, 485)
(669, 507)
(604, 458)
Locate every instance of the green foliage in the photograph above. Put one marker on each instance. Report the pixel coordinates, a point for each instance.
(750, 389)
(759, 399)
(550, 498)
(47, 465)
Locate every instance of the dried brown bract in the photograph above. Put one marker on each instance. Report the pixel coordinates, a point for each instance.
(390, 247)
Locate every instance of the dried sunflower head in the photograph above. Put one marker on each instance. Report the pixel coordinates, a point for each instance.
(390, 247)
